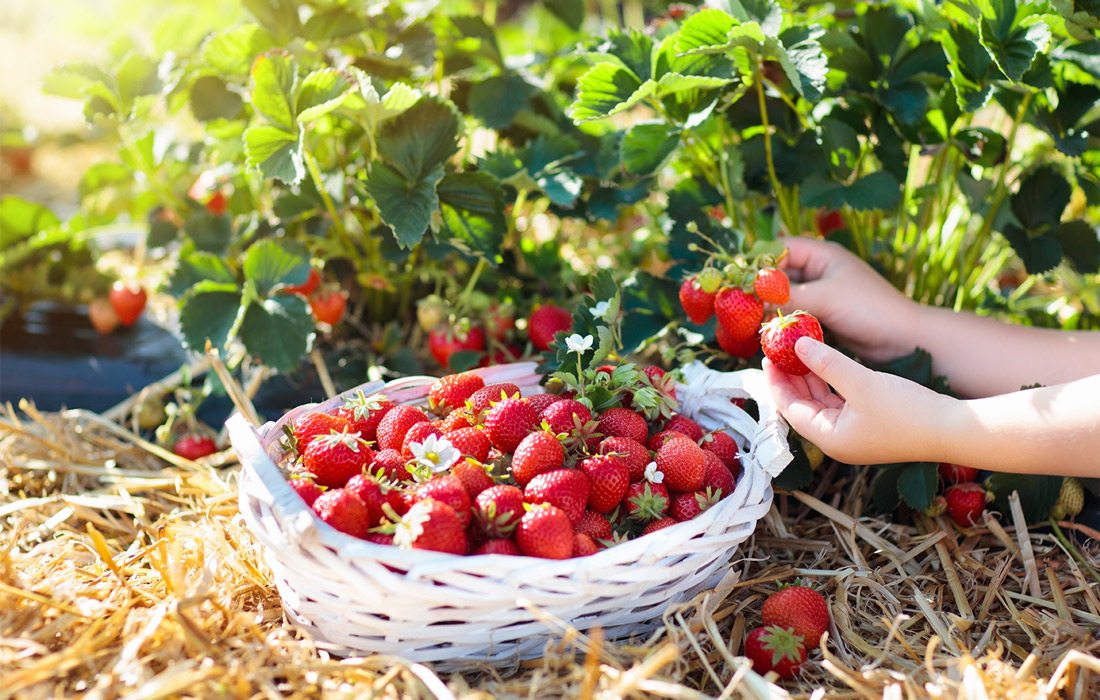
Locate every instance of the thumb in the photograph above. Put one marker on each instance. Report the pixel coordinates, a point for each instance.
(836, 368)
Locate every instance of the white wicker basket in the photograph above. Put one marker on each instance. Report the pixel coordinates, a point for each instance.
(356, 597)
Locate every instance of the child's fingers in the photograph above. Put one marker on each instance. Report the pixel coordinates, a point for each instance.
(820, 391)
(832, 366)
(807, 258)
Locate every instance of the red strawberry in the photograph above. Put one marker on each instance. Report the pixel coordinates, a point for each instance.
(622, 422)
(498, 510)
(305, 288)
(646, 501)
(739, 311)
(537, 453)
(473, 475)
(744, 349)
(309, 425)
(956, 473)
(343, 510)
(336, 457)
(102, 315)
(610, 479)
(306, 488)
(195, 446)
(433, 525)
(380, 538)
(328, 306)
(683, 464)
(565, 488)
(539, 402)
(391, 464)
(595, 525)
(443, 342)
(827, 220)
(418, 433)
(717, 478)
(545, 531)
(456, 420)
(658, 440)
(772, 286)
(698, 305)
(371, 493)
(775, 649)
(128, 301)
(500, 320)
(565, 416)
(400, 500)
(633, 453)
(395, 425)
(723, 445)
(689, 505)
(451, 392)
(364, 413)
(471, 442)
(659, 524)
(446, 489)
(499, 546)
(546, 322)
(481, 399)
(778, 336)
(799, 609)
(965, 503)
(683, 424)
(583, 545)
(660, 380)
(508, 423)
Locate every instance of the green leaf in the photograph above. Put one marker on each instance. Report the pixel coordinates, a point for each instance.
(280, 17)
(210, 232)
(334, 23)
(1042, 197)
(279, 331)
(806, 66)
(423, 139)
(406, 207)
(21, 218)
(645, 146)
(1039, 253)
(569, 11)
(472, 207)
(672, 83)
(232, 51)
(878, 190)
(607, 89)
(497, 100)
(273, 88)
(764, 12)
(841, 145)
(198, 267)
(269, 265)
(1080, 243)
(971, 68)
(917, 484)
(633, 50)
(1038, 494)
(884, 491)
(321, 92)
(706, 29)
(211, 99)
(275, 151)
(1012, 37)
(981, 146)
(209, 312)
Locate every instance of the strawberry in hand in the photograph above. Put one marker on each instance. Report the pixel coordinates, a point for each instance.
(778, 336)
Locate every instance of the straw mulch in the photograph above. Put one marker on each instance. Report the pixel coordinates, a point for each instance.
(126, 572)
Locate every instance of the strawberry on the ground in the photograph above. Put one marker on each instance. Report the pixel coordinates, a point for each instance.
(336, 457)
(364, 413)
(545, 531)
(471, 442)
(647, 501)
(965, 503)
(314, 423)
(717, 477)
(344, 511)
(444, 341)
(456, 420)
(537, 453)
(433, 525)
(539, 402)
(396, 423)
(565, 416)
(391, 464)
(778, 336)
(682, 424)
(195, 446)
(371, 493)
(697, 304)
(610, 479)
(307, 488)
(772, 286)
(583, 545)
(498, 510)
(328, 306)
(775, 649)
(417, 434)
(446, 489)
(622, 422)
(546, 322)
(683, 464)
(565, 488)
(481, 399)
(595, 525)
(128, 301)
(102, 315)
(802, 610)
(659, 439)
(451, 392)
(1071, 499)
(499, 546)
(633, 453)
(744, 349)
(689, 505)
(473, 475)
(658, 524)
(956, 473)
(508, 422)
(739, 311)
(722, 444)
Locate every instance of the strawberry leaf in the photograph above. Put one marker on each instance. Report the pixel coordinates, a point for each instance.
(917, 484)
(1038, 494)
(279, 331)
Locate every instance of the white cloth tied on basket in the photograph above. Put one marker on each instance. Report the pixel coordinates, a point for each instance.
(357, 597)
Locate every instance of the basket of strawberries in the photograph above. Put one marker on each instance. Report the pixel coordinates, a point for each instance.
(446, 519)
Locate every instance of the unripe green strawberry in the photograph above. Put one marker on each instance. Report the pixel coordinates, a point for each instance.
(683, 464)
(334, 458)
(778, 336)
(802, 610)
(775, 649)
(1071, 499)
(740, 312)
(433, 525)
(430, 312)
(545, 531)
(710, 280)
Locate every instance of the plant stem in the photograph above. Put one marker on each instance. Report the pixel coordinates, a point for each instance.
(776, 186)
(330, 207)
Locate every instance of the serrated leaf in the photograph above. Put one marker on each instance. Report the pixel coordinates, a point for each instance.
(970, 66)
(1041, 198)
(632, 49)
(472, 209)
(917, 484)
(269, 264)
(321, 92)
(210, 232)
(884, 491)
(673, 83)
(764, 12)
(645, 146)
(275, 151)
(571, 12)
(423, 139)
(1038, 494)
(209, 312)
(707, 29)
(273, 83)
(279, 331)
(605, 90)
(211, 99)
(406, 207)
(1080, 242)
(1039, 253)
(496, 101)
(231, 52)
(806, 66)
(280, 17)
(198, 267)
(878, 190)
(334, 23)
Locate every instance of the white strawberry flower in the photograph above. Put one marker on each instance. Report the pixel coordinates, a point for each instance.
(577, 344)
(652, 474)
(600, 310)
(435, 453)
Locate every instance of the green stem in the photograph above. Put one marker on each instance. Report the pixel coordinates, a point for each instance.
(330, 206)
(776, 186)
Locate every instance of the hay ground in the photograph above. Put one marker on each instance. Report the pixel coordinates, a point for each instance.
(126, 572)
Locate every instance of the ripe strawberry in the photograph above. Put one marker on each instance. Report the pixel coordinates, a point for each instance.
(305, 288)
(508, 423)
(659, 439)
(481, 399)
(689, 505)
(565, 416)
(658, 524)
(446, 489)
(391, 464)
(565, 488)
(583, 545)
(537, 453)
(498, 510)
(744, 349)
(633, 453)
(775, 649)
(328, 306)
(610, 479)
(799, 609)
(965, 503)
(739, 311)
(500, 319)
(371, 493)
(647, 501)
(195, 446)
(102, 315)
(717, 479)
(418, 433)
(444, 342)
(456, 420)
(778, 336)
(433, 525)
(364, 413)
(546, 322)
(380, 538)
(336, 457)
(129, 302)
(473, 475)
(697, 304)
(956, 473)
(622, 422)
(545, 531)
(395, 425)
(723, 445)
(772, 286)
(471, 442)
(683, 464)
(827, 221)
(595, 525)
(307, 488)
(682, 424)
(313, 424)
(451, 392)
(343, 510)
(539, 402)
(499, 546)
(400, 500)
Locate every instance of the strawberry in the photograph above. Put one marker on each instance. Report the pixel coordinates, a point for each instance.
(391, 464)
(545, 531)
(443, 342)
(658, 524)
(539, 402)
(456, 420)
(508, 422)
(451, 392)
(965, 503)
(336, 457)
(827, 221)
(689, 505)
(956, 473)
(380, 538)
(583, 545)
(772, 286)
(328, 306)
(433, 525)
(446, 489)
(313, 281)
(775, 649)
(659, 439)
(565, 488)
(683, 424)
(418, 433)
(683, 464)
(697, 304)
(610, 479)
(565, 416)
(102, 315)
(537, 453)
(717, 477)
(1071, 499)
(660, 380)
(471, 442)
(128, 302)
(195, 446)
(473, 475)
(723, 445)
(395, 425)
(778, 336)
(647, 501)
(481, 399)
(306, 488)
(799, 609)
(622, 422)
(400, 500)
(343, 510)
(371, 493)
(739, 311)
(314, 423)
(633, 453)
(595, 525)
(499, 546)
(500, 319)
(364, 413)
(744, 349)
(498, 510)
(216, 204)
(545, 323)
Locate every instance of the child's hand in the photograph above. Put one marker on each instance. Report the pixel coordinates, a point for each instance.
(871, 418)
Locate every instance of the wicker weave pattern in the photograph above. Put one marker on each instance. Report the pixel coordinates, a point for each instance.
(358, 597)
